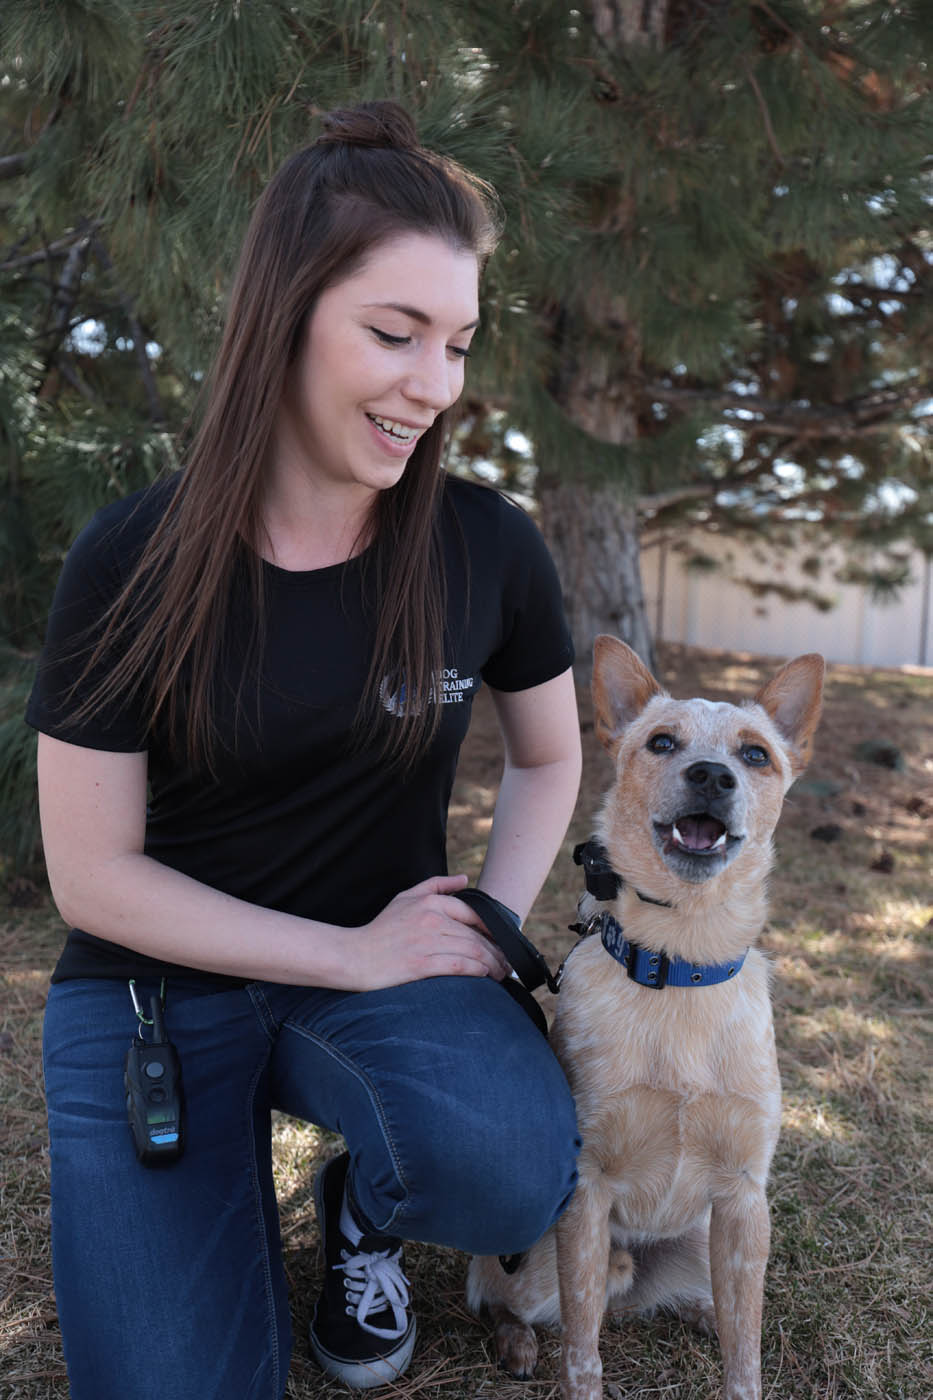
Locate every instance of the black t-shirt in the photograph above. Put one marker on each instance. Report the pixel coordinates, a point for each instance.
(298, 816)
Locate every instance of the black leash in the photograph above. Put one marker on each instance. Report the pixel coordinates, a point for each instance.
(531, 969)
(520, 951)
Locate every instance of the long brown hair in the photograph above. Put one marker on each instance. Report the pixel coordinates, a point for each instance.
(364, 181)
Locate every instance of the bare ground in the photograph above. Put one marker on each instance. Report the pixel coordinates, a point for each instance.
(847, 1309)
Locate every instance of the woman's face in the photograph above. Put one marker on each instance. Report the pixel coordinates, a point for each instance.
(383, 355)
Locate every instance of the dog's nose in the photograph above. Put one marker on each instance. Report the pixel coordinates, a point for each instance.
(712, 779)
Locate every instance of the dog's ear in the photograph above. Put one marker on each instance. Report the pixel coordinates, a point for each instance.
(622, 687)
(793, 699)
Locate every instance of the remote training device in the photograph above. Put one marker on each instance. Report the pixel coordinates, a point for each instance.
(154, 1102)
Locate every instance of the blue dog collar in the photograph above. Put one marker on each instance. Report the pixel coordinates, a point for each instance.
(650, 969)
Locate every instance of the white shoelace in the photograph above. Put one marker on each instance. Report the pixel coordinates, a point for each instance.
(373, 1282)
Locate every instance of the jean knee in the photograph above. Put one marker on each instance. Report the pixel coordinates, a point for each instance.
(537, 1182)
(498, 1184)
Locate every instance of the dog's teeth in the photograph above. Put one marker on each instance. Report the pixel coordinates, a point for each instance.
(675, 832)
(720, 841)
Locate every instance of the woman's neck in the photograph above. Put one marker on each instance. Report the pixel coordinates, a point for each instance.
(305, 527)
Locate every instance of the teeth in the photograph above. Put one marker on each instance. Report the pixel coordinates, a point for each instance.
(388, 425)
(716, 846)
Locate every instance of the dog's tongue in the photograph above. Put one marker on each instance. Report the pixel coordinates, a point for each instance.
(699, 833)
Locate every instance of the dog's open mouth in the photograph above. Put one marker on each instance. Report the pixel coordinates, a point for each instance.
(696, 846)
(698, 833)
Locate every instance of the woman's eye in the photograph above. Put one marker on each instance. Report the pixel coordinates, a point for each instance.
(390, 339)
(662, 743)
(459, 351)
(756, 755)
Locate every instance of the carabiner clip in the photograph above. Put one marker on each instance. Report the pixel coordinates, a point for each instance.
(144, 1020)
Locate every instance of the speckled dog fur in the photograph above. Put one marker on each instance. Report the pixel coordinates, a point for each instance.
(677, 1090)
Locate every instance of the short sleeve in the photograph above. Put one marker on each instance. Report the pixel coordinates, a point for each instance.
(91, 579)
(536, 643)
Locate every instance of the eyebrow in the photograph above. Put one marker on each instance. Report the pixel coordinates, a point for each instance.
(421, 316)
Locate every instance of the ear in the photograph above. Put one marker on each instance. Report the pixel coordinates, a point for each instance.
(622, 687)
(794, 699)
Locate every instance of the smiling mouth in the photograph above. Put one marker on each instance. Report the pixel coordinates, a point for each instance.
(695, 834)
(398, 432)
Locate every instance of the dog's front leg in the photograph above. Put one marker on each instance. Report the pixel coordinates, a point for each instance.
(582, 1270)
(740, 1233)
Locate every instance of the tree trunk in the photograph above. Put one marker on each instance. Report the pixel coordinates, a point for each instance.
(620, 22)
(594, 538)
(593, 532)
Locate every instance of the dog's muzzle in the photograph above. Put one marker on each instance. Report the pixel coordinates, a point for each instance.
(697, 839)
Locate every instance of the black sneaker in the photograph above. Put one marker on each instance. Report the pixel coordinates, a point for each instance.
(361, 1331)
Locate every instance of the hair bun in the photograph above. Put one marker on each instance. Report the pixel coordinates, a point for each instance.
(370, 124)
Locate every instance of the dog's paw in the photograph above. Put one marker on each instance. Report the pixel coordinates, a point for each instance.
(516, 1348)
(700, 1315)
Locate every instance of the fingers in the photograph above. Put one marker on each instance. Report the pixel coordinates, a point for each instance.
(439, 884)
(426, 932)
(459, 933)
(447, 885)
(450, 956)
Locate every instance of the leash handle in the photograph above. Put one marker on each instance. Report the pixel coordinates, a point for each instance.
(503, 929)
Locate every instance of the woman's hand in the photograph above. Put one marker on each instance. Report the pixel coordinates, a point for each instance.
(423, 932)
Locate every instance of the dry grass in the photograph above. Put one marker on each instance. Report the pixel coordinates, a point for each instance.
(847, 1308)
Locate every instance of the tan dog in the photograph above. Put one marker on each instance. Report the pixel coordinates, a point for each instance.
(677, 1088)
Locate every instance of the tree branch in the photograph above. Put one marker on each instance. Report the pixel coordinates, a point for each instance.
(854, 291)
(64, 295)
(765, 116)
(59, 249)
(156, 411)
(660, 501)
(870, 413)
(11, 166)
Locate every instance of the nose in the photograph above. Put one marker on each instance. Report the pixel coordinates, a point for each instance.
(435, 381)
(711, 779)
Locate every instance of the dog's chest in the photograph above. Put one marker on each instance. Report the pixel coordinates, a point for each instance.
(677, 1092)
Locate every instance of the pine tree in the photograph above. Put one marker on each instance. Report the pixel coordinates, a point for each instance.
(711, 302)
(736, 336)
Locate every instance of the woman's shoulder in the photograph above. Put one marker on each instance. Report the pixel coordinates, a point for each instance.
(479, 508)
(135, 516)
(118, 531)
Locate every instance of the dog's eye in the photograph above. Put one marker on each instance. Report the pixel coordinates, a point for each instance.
(757, 756)
(662, 743)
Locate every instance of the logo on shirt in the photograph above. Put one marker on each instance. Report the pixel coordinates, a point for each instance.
(447, 688)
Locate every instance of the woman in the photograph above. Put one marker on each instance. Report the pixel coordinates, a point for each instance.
(283, 643)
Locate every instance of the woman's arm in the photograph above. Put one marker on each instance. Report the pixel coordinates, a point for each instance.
(539, 788)
(93, 808)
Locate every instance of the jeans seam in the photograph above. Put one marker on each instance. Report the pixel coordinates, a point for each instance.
(263, 1233)
(263, 1011)
(404, 1206)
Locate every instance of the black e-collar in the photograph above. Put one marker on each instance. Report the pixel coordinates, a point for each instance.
(602, 882)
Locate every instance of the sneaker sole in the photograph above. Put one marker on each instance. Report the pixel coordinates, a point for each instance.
(364, 1375)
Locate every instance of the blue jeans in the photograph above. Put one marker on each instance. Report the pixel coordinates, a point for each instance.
(170, 1284)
